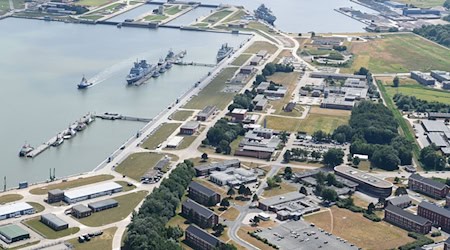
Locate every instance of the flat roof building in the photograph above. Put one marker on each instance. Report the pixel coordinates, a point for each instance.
(103, 205)
(247, 70)
(441, 76)
(54, 222)
(435, 126)
(80, 211)
(12, 233)
(203, 194)
(198, 214)
(233, 177)
(427, 186)
(238, 114)
(174, 141)
(189, 128)
(262, 53)
(269, 203)
(422, 78)
(219, 166)
(256, 60)
(207, 112)
(337, 102)
(367, 183)
(402, 201)
(13, 209)
(406, 220)
(335, 76)
(90, 192)
(437, 139)
(438, 115)
(201, 239)
(55, 195)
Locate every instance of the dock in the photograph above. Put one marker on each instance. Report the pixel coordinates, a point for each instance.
(195, 64)
(113, 117)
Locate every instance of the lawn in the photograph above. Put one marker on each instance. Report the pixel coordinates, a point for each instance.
(359, 230)
(236, 16)
(127, 203)
(155, 18)
(182, 115)
(82, 181)
(399, 53)
(160, 135)
(283, 123)
(258, 45)
(92, 3)
(410, 87)
(187, 141)
(283, 188)
(172, 10)
(136, 165)
(37, 207)
(46, 231)
(423, 3)
(101, 242)
(212, 94)
(10, 198)
(230, 214)
(243, 234)
(241, 59)
(289, 81)
(217, 16)
(125, 186)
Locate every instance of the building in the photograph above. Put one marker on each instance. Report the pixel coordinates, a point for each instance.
(435, 126)
(54, 222)
(198, 214)
(174, 142)
(55, 195)
(255, 152)
(256, 60)
(13, 209)
(406, 220)
(367, 183)
(103, 205)
(238, 115)
(438, 115)
(202, 194)
(233, 177)
(207, 112)
(337, 102)
(262, 87)
(12, 233)
(278, 92)
(80, 211)
(355, 83)
(335, 76)
(402, 201)
(261, 105)
(90, 192)
(427, 186)
(203, 170)
(291, 205)
(189, 128)
(446, 85)
(262, 53)
(396, 5)
(447, 244)
(259, 143)
(421, 13)
(437, 139)
(422, 78)
(440, 76)
(289, 107)
(247, 70)
(200, 239)
(440, 217)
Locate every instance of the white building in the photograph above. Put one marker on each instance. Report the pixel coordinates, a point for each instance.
(90, 192)
(14, 209)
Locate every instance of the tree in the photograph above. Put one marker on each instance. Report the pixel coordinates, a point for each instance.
(283, 136)
(396, 82)
(303, 190)
(320, 178)
(204, 157)
(356, 161)
(277, 179)
(333, 157)
(241, 189)
(247, 191)
(288, 173)
(331, 179)
(231, 191)
(320, 136)
(431, 159)
(226, 246)
(316, 155)
(218, 229)
(224, 202)
(271, 183)
(396, 180)
(287, 156)
(385, 158)
(400, 191)
(370, 208)
(255, 198)
(256, 220)
(329, 194)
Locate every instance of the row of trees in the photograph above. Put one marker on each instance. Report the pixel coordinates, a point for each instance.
(431, 158)
(411, 103)
(222, 134)
(270, 69)
(243, 101)
(438, 33)
(331, 158)
(147, 228)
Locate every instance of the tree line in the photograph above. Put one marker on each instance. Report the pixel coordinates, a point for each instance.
(222, 134)
(438, 33)
(270, 69)
(411, 103)
(243, 101)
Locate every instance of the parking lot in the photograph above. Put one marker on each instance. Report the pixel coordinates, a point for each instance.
(295, 235)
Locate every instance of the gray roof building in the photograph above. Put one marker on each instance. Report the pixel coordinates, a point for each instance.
(428, 181)
(437, 139)
(81, 208)
(434, 126)
(191, 125)
(201, 234)
(284, 198)
(436, 209)
(202, 189)
(399, 200)
(412, 217)
(101, 204)
(56, 192)
(203, 211)
(53, 219)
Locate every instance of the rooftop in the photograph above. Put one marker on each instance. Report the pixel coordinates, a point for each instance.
(430, 182)
(432, 207)
(398, 200)
(202, 189)
(54, 219)
(12, 231)
(205, 212)
(103, 203)
(279, 199)
(14, 207)
(412, 217)
(175, 141)
(56, 192)
(193, 229)
(191, 125)
(81, 208)
(238, 111)
(207, 110)
(435, 126)
(218, 164)
(437, 139)
(363, 176)
(90, 190)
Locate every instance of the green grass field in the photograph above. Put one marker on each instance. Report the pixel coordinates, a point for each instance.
(93, 17)
(102, 242)
(236, 16)
(182, 115)
(399, 53)
(127, 203)
(4, 6)
(212, 94)
(125, 186)
(241, 59)
(258, 45)
(424, 3)
(10, 198)
(46, 231)
(217, 16)
(92, 3)
(136, 165)
(37, 207)
(71, 184)
(283, 123)
(155, 18)
(187, 141)
(172, 10)
(160, 135)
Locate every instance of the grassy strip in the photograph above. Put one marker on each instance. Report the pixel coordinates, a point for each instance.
(10, 198)
(101, 242)
(182, 115)
(37, 207)
(240, 60)
(71, 184)
(136, 165)
(160, 135)
(46, 231)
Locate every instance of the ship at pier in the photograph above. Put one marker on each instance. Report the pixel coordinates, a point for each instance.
(223, 52)
(138, 71)
(265, 14)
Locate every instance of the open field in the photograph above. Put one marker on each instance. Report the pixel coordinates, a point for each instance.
(283, 123)
(178, 220)
(187, 141)
(10, 198)
(289, 81)
(160, 135)
(136, 165)
(101, 242)
(241, 59)
(212, 94)
(37, 207)
(236, 16)
(230, 214)
(82, 181)
(182, 115)
(46, 231)
(127, 203)
(258, 45)
(411, 87)
(155, 18)
(281, 189)
(217, 16)
(359, 230)
(423, 3)
(327, 123)
(399, 53)
(92, 3)
(125, 186)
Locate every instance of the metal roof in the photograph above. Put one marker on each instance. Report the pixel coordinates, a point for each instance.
(436, 209)
(398, 200)
(434, 126)
(284, 198)
(363, 177)
(103, 203)
(191, 125)
(402, 213)
(81, 208)
(175, 141)
(203, 211)
(90, 190)
(56, 192)
(202, 189)
(207, 111)
(193, 229)
(215, 165)
(12, 231)
(54, 220)
(437, 139)
(14, 207)
(430, 182)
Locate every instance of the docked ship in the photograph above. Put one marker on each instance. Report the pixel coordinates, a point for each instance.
(223, 52)
(138, 71)
(25, 150)
(170, 55)
(59, 140)
(156, 74)
(265, 14)
(161, 61)
(163, 69)
(168, 65)
(84, 83)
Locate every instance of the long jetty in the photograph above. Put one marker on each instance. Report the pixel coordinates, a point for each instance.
(113, 117)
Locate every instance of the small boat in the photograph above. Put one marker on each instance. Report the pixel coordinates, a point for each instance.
(80, 126)
(170, 55)
(183, 54)
(84, 83)
(161, 61)
(59, 140)
(168, 65)
(156, 74)
(26, 148)
(162, 69)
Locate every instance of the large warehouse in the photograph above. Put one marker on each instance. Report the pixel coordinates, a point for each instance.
(14, 209)
(103, 205)
(54, 222)
(91, 192)
(367, 183)
(12, 233)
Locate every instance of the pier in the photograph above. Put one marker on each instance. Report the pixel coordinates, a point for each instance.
(195, 64)
(113, 117)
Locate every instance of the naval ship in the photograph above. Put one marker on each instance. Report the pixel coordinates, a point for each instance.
(223, 52)
(138, 71)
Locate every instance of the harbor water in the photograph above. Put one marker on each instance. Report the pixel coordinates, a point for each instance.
(46, 60)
